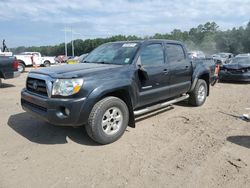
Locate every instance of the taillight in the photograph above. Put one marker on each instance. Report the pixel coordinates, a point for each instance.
(15, 64)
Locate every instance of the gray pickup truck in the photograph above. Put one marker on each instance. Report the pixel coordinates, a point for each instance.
(8, 67)
(114, 83)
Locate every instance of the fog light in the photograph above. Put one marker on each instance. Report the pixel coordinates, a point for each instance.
(67, 111)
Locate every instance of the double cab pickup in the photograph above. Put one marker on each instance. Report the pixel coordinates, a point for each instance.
(114, 83)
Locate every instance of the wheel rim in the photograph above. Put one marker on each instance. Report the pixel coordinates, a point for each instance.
(201, 93)
(112, 121)
(46, 64)
(20, 68)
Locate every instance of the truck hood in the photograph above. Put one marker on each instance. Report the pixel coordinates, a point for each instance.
(76, 70)
(236, 66)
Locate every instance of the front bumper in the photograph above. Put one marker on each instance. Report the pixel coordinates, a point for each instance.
(53, 110)
(229, 76)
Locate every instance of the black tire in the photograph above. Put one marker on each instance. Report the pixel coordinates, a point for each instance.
(21, 67)
(95, 128)
(46, 64)
(195, 98)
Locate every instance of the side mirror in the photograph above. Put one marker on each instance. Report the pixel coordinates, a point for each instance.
(142, 71)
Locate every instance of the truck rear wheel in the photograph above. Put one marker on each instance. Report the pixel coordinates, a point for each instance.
(21, 67)
(199, 94)
(108, 120)
(46, 64)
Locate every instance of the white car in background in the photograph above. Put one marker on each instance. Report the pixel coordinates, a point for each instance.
(24, 59)
(196, 55)
(243, 55)
(222, 58)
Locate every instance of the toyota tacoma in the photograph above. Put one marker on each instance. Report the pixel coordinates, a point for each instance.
(114, 83)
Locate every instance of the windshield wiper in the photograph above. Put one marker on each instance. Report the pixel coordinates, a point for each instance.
(102, 62)
(99, 62)
(86, 61)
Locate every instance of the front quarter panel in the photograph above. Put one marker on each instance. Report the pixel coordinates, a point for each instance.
(96, 89)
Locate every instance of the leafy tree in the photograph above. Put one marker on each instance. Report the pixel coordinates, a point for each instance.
(205, 37)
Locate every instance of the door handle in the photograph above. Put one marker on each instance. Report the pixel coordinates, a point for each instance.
(186, 67)
(165, 71)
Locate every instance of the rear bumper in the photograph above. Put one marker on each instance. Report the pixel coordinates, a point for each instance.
(9, 75)
(228, 76)
(53, 110)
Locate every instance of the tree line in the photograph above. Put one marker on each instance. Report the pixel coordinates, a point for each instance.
(206, 37)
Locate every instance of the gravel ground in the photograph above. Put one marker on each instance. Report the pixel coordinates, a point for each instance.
(182, 146)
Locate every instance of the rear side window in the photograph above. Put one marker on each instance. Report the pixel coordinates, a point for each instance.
(152, 55)
(175, 53)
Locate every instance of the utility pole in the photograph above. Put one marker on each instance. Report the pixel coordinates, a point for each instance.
(66, 30)
(65, 42)
(72, 43)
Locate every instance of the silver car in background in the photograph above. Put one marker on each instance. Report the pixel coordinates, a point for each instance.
(222, 58)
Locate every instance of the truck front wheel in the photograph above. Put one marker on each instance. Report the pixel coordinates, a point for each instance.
(199, 94)
(108, 120)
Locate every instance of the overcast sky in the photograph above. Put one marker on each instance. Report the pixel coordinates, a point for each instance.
(41, 22)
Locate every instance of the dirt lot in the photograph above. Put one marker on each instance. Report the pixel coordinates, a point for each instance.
(184, 146)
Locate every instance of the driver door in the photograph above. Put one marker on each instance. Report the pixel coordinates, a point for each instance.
(156, 86)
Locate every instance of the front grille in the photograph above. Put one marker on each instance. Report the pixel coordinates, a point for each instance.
(37, 86)
(34, 106)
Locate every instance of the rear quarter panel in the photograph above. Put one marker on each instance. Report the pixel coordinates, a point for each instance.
(203, 66)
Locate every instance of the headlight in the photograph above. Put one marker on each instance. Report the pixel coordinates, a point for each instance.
(67, 87)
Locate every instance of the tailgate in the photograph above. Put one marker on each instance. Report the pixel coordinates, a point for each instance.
(6, 65)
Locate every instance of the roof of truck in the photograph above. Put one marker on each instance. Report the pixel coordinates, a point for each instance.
(149, 40)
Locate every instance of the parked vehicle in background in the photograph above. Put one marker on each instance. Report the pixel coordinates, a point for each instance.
(222, 58)
(8, 67)
(243, 55)
(5, 53)
(72, 60)
(237, 70)
(196, 55)
(116, 82)
(82, 57)
(61, 59)
(25, 60)
(76, 59)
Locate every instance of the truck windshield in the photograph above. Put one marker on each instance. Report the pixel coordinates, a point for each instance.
(113, 53)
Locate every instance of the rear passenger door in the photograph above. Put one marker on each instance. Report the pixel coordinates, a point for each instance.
(156, 87)
(180, 68)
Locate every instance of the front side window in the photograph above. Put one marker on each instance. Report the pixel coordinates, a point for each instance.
(152, 54)
(175, 53)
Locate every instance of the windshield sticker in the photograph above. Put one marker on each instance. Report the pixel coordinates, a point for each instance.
(126, 60)
(129, 45)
